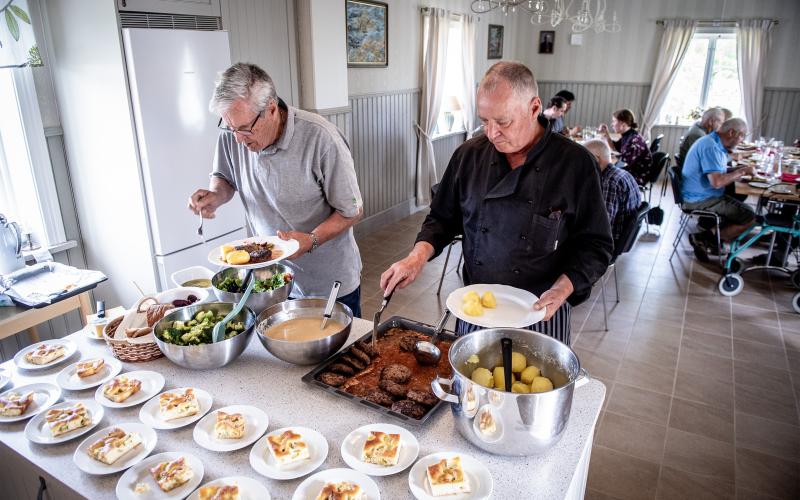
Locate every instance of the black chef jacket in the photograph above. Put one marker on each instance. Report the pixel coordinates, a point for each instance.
(527, 226)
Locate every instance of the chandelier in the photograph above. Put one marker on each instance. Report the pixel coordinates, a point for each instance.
(585, 18)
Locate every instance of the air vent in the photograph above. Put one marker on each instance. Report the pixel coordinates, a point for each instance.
(169, 21)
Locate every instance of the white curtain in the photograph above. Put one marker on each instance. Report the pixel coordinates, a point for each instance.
(467, 97)
(753, 39)
(16, 35)
(435, 28)
(674, 45)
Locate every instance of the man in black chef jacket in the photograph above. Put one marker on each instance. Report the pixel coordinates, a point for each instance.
(527, 201)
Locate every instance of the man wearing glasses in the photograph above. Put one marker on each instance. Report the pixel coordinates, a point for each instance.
(295, 176)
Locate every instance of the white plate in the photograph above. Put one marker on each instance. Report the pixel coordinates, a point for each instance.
(480, 480)
(287, 248)
(256, 423)
(88, 331)
(68, 377)
(150, 414)
(4, 379)
(261, 458)
(36, 431)
(91, 466)
(782, 189)
(353, 444)
(514, 307)
(152, 383)
(759, 185)
(44, 396)
(310, 488)
(249, 489)
(21, 362)
(140, 473)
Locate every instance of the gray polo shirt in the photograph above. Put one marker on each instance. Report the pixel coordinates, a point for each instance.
(294, 185)
(695, 132)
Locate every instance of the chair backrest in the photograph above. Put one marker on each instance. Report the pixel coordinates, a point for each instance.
(656, 143)
(660, 162)
(678, 160)
(677, 184)
(630, 228)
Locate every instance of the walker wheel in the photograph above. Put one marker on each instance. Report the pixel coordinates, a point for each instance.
(796, 302)
(795, 278)
(731, 284)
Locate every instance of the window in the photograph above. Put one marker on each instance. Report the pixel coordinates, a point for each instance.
(708, 76)
(450, 119)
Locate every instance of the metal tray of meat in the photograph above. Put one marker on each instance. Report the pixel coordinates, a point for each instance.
(442, 368)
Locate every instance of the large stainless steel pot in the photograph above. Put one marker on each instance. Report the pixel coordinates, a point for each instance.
(526, 424)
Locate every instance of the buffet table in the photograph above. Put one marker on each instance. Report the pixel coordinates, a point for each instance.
(256, 378)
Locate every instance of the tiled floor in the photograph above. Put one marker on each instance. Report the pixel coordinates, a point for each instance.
(703, 390)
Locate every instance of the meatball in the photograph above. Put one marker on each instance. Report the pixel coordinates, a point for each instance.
(409, 408)
(408, 343)
(360, 355)
(342, 369)
(377, 396)
(332, 379)
(367, 348)
(422, 397)
(396, 373)
(394, 389)
(354, 362)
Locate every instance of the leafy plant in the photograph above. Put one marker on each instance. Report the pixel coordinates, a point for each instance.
(11, 13)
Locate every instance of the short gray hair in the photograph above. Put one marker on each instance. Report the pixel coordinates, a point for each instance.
(517, 75)
(736, 124)
(599, 148)
(711, 113)
(242, 81)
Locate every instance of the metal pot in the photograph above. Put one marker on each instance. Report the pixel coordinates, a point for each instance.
(258, 301)
(525, 424)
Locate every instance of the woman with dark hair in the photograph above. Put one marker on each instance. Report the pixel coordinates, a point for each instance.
(631, 145)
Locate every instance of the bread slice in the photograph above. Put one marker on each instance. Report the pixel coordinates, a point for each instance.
(176, 405)
(15, 404)
(229, 425)
(170, 475)
(90, 367)
(288, 448)
(121, 388)
(45, 354)
(381, 448)
(225, 492)
(446, 477)
(63, 420)
(114, 445)
(341, 491)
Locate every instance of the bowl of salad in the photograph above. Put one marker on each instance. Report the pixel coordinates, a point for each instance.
(184, 335)
(273, 285)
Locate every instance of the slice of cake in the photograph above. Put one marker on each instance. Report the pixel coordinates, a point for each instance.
(486, 423)
(121, 388)
(381, 448)
(45, 354)
(115, 444)
(446, 477)
(15, 404)
(176, 405)
(225, 492)
(63, 420)
(341, 491)
(170, 475)
(229, 425)
(288, 448)
(90, 367)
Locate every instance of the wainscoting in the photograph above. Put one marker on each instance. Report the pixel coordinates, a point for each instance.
(443, 148)
(782, 114)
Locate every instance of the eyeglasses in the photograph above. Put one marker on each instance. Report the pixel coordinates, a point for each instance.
(246, 132)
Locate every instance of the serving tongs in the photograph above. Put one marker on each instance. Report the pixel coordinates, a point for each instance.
(219, 328)
(376, 320)
(426, 351)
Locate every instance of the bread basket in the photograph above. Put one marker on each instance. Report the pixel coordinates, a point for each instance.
(125, 350)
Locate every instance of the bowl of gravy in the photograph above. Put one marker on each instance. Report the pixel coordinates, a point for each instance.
(291, 330)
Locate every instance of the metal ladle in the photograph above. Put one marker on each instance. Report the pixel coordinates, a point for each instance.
(426, 351)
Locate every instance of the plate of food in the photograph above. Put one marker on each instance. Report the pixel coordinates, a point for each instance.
(239, 487)
(115, 448)
(760, 184)
(289, 453)
(380, 449)
(494, 306)
(337, 483)
(782, 189)
(63, 422)
(254, 252)
(129, 389)
(166, 475)
(88, 373)
(231, 428)
(176, 408)
(455, 475)
(43, 355)
(27, 401)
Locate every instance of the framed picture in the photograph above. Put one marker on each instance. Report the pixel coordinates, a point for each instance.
(495, 45)
(367, 33)
(546, 41)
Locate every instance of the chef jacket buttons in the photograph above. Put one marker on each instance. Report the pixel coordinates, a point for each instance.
(523, 237)
(537, 169)
(516, 270)
(484, 230)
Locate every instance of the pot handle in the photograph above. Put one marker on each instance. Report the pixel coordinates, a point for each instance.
(583, 378)
(436, 386)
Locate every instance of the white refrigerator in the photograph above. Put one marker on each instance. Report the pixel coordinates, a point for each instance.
(171, 75)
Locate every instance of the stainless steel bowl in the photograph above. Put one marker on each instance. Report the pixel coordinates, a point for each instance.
(306, 352)
(206, 356)
(257, 301)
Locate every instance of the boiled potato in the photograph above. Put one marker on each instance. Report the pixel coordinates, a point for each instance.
(488, 300)
(541, 384)
(518, 362)
(472, 308)
(237, 257)
(471, 297)
(529, 373)
(483, 376)
(474, 359)
(520, 388)
(226, 249)
(500, 379)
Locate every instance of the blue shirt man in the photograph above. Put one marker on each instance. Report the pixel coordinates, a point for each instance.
(707, 155)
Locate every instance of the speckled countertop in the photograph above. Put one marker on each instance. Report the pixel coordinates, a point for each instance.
(259, 379)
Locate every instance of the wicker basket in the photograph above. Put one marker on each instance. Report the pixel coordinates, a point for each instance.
(124, 350)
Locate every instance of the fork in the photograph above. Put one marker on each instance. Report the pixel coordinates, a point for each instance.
(200, 229)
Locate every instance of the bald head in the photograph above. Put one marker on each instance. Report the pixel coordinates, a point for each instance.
(732, 132)
(712, 119)
(515, 74)
(600, 151)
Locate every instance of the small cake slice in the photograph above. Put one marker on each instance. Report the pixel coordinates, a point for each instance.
(15, 404)
(288, 447)
(45, 354)
(486, 423)
(224, 492)
(121, 388)
(446, 477)
(176, 405)
(381, 448)
(170, 475)
(229, 425)
(63, 420)
(116, 443)
(341, 491)
(90, 367)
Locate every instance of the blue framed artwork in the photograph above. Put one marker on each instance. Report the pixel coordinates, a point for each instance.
(367, 33)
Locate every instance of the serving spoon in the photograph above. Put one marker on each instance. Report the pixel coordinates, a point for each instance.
(219, 328)
(426, 351)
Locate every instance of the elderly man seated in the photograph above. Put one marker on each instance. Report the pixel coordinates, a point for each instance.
(710, 122)
(705, 176)
(620, 190)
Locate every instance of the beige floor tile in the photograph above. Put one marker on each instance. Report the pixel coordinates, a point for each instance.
(790, 322)
(674, 484)
(596, 495)
(632, 436)
(698, 388)
(639, 403)
(751, 332)
(764, 403)
(710, 308)
(661, 331)
(791, 340)
(754, 352)
(702, 419)
(698, 454)
(621, 475)
(745, 494)
(598, 365)
(762, 300)
(760, 376)
(767, 474)
(701, 364)
(756, 316)
(660, 312)
(794, 360)
(768, 436)
(700, 342)
(646, 376)
(709, 324)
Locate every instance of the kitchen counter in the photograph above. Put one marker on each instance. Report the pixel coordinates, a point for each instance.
(259, 379)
